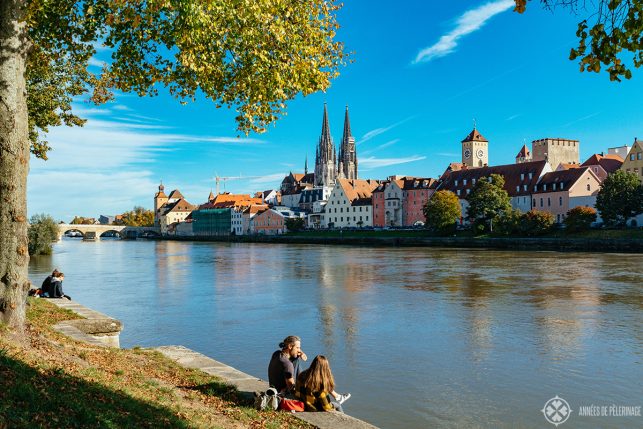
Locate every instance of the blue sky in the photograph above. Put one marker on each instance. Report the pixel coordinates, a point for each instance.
(422, 71)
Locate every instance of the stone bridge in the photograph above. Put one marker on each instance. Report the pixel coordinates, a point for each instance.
(96, 231)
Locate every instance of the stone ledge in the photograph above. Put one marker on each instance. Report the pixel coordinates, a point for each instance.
(96, 328)
(247, 385)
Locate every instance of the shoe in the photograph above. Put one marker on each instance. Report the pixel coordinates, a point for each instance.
(343, 398)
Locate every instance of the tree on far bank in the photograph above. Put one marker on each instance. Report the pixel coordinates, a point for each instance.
(43, 230)
(139, 216)
(536, 222)
(442, 212)
(80, 220)
(616, 27)
(620, 198)
(580, 219)
(295, 224)
(488, 200)
(250, 56)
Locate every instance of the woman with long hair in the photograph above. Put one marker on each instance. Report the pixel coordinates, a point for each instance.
(316, 387)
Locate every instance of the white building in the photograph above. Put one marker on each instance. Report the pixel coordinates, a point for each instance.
(349, 204)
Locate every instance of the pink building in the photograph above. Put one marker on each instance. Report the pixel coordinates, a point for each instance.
(560, 191)
(416, 192)
(602, 165)
(379, 215)
(269, 222)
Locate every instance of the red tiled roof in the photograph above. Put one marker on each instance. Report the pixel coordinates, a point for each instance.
(176, 194)
(357, 189)
(565, 166)
(610, 162)
(566, 177)
(474, 136)
(514, 174)
(524, 152)
(411, 183)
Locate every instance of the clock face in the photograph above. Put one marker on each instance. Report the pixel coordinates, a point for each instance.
(467, 154)
(480, 153)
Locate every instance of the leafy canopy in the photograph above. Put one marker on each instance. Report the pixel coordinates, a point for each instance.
(488, 199)
(442, 211)
(617, 27)
(252, 55)
(42, 232)
(620, 198)
(139, 216)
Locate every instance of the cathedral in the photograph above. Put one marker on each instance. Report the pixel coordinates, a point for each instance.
(330, 165)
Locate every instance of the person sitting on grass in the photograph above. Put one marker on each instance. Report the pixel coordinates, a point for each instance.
(56, 290)
(316, 387)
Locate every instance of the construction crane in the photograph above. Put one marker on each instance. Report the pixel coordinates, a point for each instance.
(218, 180)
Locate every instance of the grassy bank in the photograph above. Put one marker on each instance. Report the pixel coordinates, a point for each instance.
(55, 382)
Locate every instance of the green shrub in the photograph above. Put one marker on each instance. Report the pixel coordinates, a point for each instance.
(536, 222)
(41, 233)
(442, 211)
(508, 223)
(580, 219)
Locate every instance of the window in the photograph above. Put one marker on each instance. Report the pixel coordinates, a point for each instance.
(341, 209)
(541, 202)
(468, 191)
(367, 218)
(456, 182)
(561, 186)
(464, 182)
(354, 218)
(522, 176)
(489, 179)
(639, 155)
(458, 192)
(360, 218)
(473, 181)
(341, 219)
(631, 157)
(548, 202)
(589, 188)
(560, 201)
(553, 186)
(518, 188)
(353, 208)
(524, 187)
(545, 187)
(531, 175)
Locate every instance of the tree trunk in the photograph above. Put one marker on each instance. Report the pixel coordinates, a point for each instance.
(14, 165)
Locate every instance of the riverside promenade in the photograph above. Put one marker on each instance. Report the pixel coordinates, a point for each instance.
(98, 329)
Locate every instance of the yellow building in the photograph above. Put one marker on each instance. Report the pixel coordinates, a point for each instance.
(634, 160)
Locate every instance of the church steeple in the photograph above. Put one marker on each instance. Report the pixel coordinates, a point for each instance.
(325, 158)
(306, 165)
(347, 167)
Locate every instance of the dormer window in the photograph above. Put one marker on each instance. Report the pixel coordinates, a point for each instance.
(522, 176)
(554, 186)
(545, 187)
(561, 186)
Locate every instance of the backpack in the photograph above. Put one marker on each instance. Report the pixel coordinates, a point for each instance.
(268, 400)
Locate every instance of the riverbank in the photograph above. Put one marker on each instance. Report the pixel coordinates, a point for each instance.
(624, 241)
(54, 381)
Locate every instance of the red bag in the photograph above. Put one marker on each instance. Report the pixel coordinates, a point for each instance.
(291, 405)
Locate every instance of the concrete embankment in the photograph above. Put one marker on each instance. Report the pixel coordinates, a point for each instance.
(509, 243)
(101, 330)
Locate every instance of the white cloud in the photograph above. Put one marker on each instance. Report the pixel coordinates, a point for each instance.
(469, 22)
(121, 107)
(96, 63)
(275, 178)
(105, 166)
(377, 131)
(372, 162)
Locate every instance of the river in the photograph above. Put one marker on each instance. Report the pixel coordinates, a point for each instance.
(421, 337)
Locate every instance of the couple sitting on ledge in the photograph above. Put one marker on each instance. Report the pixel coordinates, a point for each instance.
(315, 386)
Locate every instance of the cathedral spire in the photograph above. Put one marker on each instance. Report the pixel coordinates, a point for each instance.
(325, 134)
(347, 164)
(306, 165)
(347, 126)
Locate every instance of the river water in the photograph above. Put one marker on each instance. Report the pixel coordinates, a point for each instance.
(421, 337)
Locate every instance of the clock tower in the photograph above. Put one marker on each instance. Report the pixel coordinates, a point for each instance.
(475, 150)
